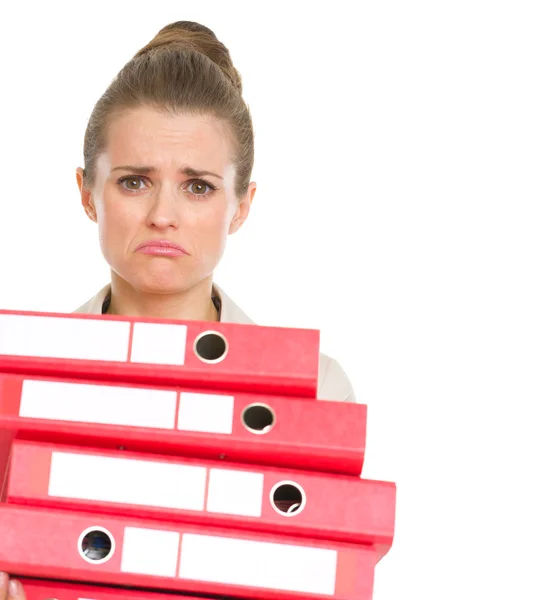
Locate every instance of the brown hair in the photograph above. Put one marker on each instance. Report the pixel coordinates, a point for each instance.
(183, 69)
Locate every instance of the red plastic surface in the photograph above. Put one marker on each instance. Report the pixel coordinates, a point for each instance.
(46, 543)
(262, 359)
(323, 435)
(295, 503)
(37, 589)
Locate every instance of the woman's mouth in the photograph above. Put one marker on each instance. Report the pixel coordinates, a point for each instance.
(161, 248)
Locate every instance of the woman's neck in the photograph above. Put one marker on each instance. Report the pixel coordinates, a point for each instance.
(194, 304)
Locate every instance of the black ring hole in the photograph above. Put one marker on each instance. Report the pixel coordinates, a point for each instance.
(287, 498)
(258, 418)
(211, 347)
(96, 545)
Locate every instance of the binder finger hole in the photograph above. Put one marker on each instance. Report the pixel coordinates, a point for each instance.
(258, 418)
(96, 545)
(288, 498)
(210, 347)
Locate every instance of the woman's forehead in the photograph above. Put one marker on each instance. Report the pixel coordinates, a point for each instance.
(146, 137)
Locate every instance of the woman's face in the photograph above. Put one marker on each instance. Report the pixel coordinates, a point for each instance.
(163, 225)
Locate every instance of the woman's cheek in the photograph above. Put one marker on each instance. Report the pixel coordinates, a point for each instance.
(119, 225)
(215, 235)
(113, 238)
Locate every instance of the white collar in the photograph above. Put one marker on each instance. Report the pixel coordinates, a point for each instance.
(230, 312)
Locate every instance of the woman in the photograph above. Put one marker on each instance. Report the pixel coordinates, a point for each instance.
(168, 156)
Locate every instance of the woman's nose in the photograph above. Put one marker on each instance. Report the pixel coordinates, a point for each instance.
(164, 212)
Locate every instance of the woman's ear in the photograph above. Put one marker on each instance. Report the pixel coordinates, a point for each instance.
(243, 209)
(86, 196)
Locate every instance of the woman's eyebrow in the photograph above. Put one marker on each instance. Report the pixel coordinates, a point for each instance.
(189, 171)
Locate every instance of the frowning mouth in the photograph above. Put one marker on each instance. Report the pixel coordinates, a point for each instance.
(161, 248)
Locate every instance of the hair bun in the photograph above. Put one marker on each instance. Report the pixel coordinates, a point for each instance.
(189, 35)
(188, 26)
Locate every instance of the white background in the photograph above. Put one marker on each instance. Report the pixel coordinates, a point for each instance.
(398, 149)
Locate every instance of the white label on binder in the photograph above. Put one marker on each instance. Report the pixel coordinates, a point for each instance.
(258, 564)
(235, 492)
(207, 413)
(103, 404)
(150, 551)
(68, 338)
(127, 481)
(159, 344)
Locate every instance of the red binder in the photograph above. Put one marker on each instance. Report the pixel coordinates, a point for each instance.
(229, 356)
(213, 493)
(244, 427)
(86, 547)
(38, 589)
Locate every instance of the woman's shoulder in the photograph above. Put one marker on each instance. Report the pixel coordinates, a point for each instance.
(333, 383)
(94, 305)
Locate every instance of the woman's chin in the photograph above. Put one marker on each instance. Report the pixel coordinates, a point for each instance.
(159, 276)
(159, 283)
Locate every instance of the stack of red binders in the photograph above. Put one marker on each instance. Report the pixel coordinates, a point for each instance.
(154, 459)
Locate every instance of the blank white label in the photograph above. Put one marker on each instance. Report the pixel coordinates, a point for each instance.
(69, 338)
(128, 481)
(150, 552)
(104, 404)
(159, 344)
(207, 413)
(258, 564)
(235, 492)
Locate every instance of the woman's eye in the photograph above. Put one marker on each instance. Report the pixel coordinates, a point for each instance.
(134, 183)
(131, 183)
(198, 187)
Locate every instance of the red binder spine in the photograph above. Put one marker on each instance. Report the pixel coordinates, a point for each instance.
(296, 503)
(241, 427)
(84, 547)
(227, 355)
(37, 589)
